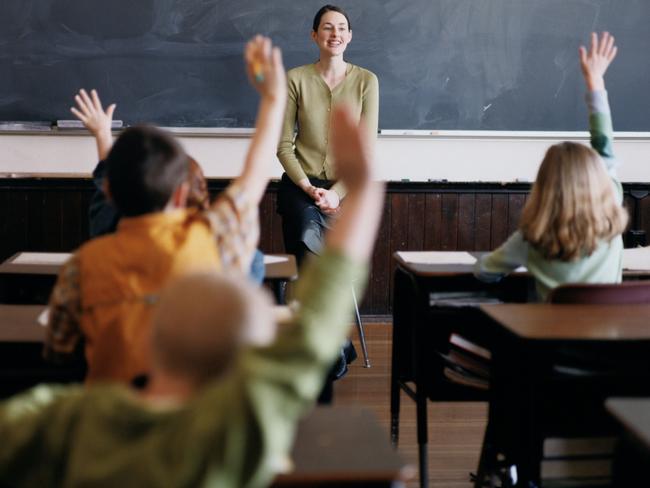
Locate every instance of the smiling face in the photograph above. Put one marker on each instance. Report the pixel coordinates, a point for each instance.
(333, 34)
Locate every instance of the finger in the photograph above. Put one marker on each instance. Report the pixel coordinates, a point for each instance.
(110, 110)
(97, 104)
(81, 104)
(613, 53)
(583, 55)
(86, 99)
(78, 114)
(594, 44)
(266, 49)
(610, 46)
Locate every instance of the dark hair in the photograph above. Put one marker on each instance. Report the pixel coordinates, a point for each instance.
(329, 8)
(145, 166)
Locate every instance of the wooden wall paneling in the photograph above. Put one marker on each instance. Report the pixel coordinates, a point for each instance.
(35, 233)
(449, 227)
(16, 216)
(266, 223)
(416, 221)
(483, 222)
(433, 221)
(499, 231)
(71, 227)
(467, 221)
(515, 206)
(277, 244)
(377, 295)
(52, 219)
(398, 235)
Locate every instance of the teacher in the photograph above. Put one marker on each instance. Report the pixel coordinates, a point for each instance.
(308, 193)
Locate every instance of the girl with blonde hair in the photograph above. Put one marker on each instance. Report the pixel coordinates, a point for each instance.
(570, 228)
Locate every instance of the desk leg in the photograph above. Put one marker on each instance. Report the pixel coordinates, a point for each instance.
(280, 291)
(421, 406)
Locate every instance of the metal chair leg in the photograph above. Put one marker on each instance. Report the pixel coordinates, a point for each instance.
(362, 335)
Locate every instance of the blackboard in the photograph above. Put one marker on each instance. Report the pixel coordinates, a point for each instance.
(442, 64)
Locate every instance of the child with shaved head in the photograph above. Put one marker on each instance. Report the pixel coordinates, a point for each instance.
(226, 388)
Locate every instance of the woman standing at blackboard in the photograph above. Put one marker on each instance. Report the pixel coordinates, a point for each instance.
(309, 194)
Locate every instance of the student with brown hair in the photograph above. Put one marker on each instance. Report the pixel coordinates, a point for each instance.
(570, 228)
(226, 388)
(106, 293)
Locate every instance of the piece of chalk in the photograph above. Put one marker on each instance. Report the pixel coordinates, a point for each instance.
(257, 71)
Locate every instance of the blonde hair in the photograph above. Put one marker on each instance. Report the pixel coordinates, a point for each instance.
(572, 205)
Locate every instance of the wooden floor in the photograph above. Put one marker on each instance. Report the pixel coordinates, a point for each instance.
(455, 429)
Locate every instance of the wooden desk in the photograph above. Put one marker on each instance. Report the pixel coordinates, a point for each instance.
(546, 322)
(433, 297)
(19, 324)
(633, 450)
(21, 352)
(435, 294)
(279, 269)
(552, 368)
(343, 446)
(28, 278)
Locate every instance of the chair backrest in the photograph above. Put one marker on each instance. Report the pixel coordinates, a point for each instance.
(627, 293)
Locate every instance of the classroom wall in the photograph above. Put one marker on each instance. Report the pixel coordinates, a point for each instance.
(452, 157)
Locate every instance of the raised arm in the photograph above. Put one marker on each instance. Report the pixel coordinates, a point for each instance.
(103, 216)
(98, 121)
(266, 74)
(594, 63)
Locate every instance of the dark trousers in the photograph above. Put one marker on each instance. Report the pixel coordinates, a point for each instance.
(303, 224)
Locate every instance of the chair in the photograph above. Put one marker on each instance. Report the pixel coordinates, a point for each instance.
(627, 293)
(362, 335)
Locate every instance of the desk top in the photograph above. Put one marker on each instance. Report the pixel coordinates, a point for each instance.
(276, 266)
(280, 267)
(634, 415)
(541, 321)
(636, 263)
(337, 444)
(19, 323)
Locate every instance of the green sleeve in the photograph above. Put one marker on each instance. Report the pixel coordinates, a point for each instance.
(601, 131)
(35, 427)
(286, 148)
(506, 258)
(283, 380)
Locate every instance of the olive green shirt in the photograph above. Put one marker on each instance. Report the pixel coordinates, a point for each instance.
(309, 105)
(235, 433)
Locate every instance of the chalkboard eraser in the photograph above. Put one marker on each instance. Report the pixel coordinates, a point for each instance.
(25, 126)
(78, 124)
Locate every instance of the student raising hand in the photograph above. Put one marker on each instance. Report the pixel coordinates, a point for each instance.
(265, 69)
(97, 120)
(354, 232)
(594, 63)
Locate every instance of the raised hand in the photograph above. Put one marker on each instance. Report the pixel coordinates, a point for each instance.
(97, 120)
(265, 69)
(351, 149)
(596, 60)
